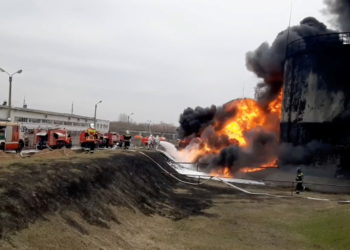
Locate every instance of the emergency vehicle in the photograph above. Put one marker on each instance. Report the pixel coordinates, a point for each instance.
(11, 136)
(110, 139)
(53, 138)
(89, 138)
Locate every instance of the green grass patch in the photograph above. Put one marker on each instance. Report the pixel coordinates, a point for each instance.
(326, 229)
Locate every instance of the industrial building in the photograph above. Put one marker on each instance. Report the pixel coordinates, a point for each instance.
(31, 119)
(316, 105)
(316, 101)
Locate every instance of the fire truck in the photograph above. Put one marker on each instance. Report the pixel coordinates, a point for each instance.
(11, 136)
(53, 138)
(89, 138)
(110, 139)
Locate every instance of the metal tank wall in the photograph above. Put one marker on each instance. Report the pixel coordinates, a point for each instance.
(316, 104)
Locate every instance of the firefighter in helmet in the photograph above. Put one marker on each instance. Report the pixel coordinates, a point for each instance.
(91, 133)
(299, 180)
(127, 139)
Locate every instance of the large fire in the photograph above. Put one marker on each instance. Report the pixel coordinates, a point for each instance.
(222, 172)
(248, 115)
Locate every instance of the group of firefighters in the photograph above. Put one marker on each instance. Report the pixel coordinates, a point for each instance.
(90, 136)
(153, 142)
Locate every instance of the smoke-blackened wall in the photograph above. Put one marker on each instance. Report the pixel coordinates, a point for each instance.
(317, 91)
(316, 104)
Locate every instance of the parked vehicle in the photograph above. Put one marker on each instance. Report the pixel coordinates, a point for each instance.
(110, 139)
(53, 138)
(89, 138)
(11, 136)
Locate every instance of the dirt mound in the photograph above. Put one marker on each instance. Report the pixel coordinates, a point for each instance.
(89, 186)
(47, 153)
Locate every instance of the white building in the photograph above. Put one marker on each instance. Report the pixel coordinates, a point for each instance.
(38, 119)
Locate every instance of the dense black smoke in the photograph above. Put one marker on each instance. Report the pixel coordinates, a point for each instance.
(306, 154)
(340, 9)
(193, 121)
(267, 62)
(264, 148)
(214, 140)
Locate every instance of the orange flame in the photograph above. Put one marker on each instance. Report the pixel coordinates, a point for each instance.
(275, 107)
(248, 115)
(271, 164)
(222, 172)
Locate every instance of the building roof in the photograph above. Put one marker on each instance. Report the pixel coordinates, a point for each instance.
(49, 112)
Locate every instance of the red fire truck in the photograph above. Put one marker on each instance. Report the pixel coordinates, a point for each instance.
(11, 136)
(53, 138)
(89, 138)
(110, 139)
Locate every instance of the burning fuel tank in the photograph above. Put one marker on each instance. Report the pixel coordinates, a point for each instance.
(316, 104)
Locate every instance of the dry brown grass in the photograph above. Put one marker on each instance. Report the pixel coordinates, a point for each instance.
(232, 221)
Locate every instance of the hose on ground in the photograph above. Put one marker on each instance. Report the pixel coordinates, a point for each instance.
(173, 176)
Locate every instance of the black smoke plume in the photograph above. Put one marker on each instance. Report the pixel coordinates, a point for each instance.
(267, 62)
(193, 121)
(340, 10)
(264, 147)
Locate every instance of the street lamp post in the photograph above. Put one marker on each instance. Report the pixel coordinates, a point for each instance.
(129, 119)
(10, 90)
(95, 113)
(149, 126)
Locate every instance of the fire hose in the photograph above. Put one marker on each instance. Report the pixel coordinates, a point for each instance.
(172, 175)
(210, 178)
(234, 186)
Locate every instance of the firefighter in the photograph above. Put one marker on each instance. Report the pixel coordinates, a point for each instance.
(121, 141)
(150, 142)
(92, 135)
(127, 139)
(299, 180)
(157, 142)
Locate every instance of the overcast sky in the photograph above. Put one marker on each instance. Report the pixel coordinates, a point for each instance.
(150, 57)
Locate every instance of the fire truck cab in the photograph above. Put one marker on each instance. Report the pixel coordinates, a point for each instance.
(11, 136)
(53, 138)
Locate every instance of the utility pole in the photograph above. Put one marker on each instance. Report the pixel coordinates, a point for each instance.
(129, 119)
(10, 91)
(95, 113)
(149, 126)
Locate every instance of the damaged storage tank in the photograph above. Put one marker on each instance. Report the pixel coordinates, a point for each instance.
(316, 105)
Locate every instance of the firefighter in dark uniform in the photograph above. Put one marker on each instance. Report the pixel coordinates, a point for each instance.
(127, 139)
(299, 180)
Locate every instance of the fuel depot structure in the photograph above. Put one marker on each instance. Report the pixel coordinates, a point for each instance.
(316, 103)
